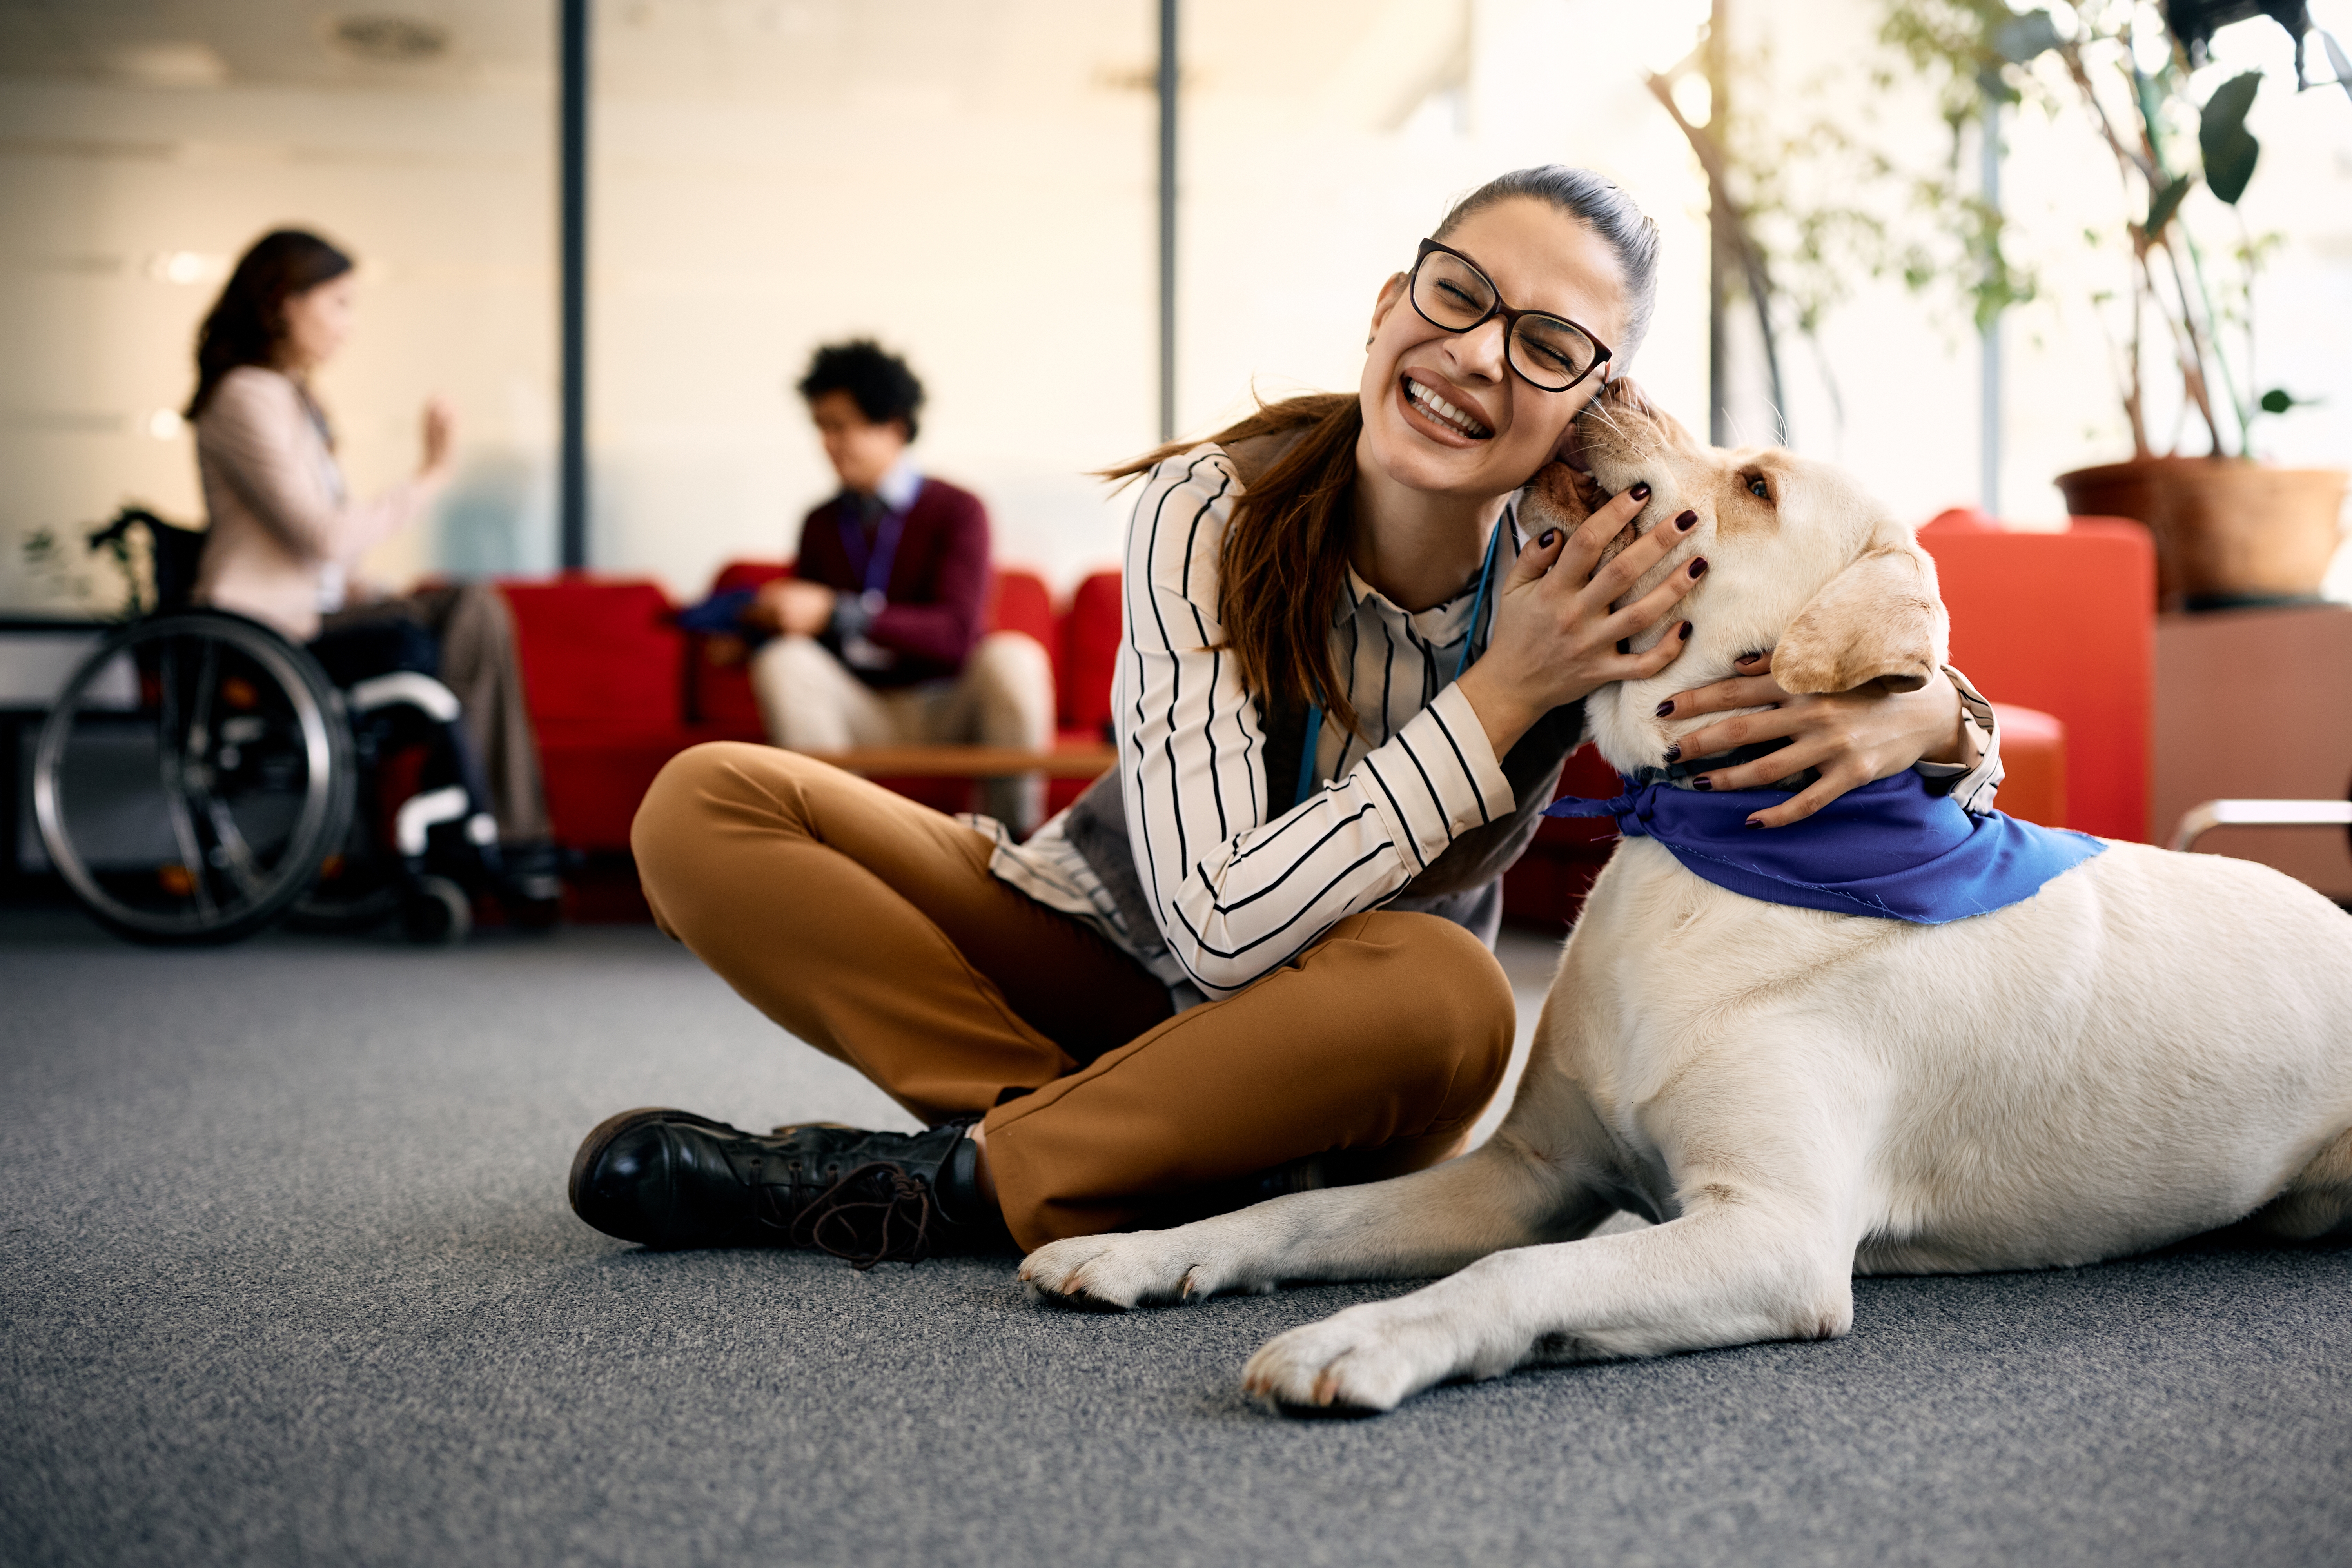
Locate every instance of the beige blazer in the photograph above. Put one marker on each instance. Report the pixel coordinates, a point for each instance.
(284, 535)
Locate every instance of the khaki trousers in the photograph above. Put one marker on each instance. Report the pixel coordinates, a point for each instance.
(481, 666)
(811, 701)
(870, 927)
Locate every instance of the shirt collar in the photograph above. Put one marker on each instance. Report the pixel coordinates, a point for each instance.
(900, 486)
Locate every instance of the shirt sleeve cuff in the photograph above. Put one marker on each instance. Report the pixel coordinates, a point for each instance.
(1437, 777)
(1974, 786)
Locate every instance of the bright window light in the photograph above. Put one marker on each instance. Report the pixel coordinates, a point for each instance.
(1695, 97)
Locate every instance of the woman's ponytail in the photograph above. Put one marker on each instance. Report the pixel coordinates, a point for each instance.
(1283, 567)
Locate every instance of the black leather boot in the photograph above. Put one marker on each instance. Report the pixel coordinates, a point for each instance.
(672, 1179)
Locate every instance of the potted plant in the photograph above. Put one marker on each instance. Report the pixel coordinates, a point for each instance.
(2229, 528)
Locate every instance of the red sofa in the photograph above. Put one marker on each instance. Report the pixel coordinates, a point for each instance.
(617, 689)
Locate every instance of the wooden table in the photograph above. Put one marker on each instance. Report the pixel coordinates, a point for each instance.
(970, 762)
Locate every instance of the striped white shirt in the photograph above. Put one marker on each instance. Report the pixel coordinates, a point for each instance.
(1236, 895)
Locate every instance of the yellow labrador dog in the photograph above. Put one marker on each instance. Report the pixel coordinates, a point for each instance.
(2151, 1047)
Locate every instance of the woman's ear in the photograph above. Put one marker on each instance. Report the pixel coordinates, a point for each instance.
(1383, 302)
(1881, 619)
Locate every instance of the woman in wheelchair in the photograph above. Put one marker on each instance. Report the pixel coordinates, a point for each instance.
(285, 536)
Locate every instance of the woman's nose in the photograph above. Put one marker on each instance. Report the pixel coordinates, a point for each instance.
(1480, 350)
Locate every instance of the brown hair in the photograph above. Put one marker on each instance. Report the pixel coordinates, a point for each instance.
(247, 323)
(1283, 563)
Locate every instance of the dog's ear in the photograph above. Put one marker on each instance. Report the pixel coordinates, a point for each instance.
(1881, 619)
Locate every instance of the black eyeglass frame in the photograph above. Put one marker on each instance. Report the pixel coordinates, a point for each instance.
(1510, 318)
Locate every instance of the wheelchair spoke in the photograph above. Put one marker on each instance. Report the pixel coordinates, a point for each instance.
(234, 851)
(184, 828)
(201, 701)
(172, 764)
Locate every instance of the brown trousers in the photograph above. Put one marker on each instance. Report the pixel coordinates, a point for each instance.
(870, 927)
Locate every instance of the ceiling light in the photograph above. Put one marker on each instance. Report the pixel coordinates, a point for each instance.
(170, 64)
(186, 266)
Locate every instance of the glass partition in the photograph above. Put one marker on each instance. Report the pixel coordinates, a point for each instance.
(142, 147)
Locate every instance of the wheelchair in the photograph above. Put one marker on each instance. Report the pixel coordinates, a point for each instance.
(201, 777)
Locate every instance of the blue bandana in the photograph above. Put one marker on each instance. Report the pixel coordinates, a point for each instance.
(1890, 850)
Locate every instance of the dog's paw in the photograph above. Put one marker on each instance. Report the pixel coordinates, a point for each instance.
(1139, 1268)
(1361, 1361)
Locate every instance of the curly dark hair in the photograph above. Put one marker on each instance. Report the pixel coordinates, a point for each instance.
(249, 318)
(879, 382)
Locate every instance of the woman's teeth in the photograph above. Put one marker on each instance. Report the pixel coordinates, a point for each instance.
(1438, 408)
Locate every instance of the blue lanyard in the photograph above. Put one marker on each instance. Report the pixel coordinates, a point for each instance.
(875, 570)
(1307, 783)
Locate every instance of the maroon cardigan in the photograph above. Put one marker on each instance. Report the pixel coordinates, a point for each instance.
(939, 582)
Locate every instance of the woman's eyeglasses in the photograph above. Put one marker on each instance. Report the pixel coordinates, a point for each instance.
(1550, 352)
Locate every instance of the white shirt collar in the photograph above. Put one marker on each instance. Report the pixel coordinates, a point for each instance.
(900, 486)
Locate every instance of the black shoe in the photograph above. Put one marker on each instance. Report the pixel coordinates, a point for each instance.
(671, 1179)
(529, 882)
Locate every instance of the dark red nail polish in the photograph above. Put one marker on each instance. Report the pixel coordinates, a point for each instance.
(1625, 645)
(1687, 521)
(1686, 631)
(1550, 536)
(1666, 708)
(1675, 752)
(1751, 822)
(1640, 491)
(1698, 567)
(1702, 784)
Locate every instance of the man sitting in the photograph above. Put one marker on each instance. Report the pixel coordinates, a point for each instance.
(878, 639)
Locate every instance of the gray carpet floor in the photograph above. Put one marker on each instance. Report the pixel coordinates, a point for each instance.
(288, 1277)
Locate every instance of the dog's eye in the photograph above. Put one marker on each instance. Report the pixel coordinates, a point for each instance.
(1756, 487)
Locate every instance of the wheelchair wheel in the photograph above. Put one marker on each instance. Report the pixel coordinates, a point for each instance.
(192, 777)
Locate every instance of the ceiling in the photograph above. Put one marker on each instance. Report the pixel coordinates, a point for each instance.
(1376, 59)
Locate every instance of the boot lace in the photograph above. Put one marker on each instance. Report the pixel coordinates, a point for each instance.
(874, 1213)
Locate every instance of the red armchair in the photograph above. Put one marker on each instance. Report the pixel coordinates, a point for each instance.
(2062, 622)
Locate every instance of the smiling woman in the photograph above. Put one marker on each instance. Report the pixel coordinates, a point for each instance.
(1253, 957)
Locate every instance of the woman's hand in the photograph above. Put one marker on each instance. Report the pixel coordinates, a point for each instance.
(1853, 738)
(440, 441)
(1556, 636)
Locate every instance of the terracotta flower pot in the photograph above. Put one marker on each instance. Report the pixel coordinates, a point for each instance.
(2225, 530)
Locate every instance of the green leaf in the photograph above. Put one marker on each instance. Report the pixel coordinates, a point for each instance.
(2229, 147)
(2168, 201)
(2277, 400)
